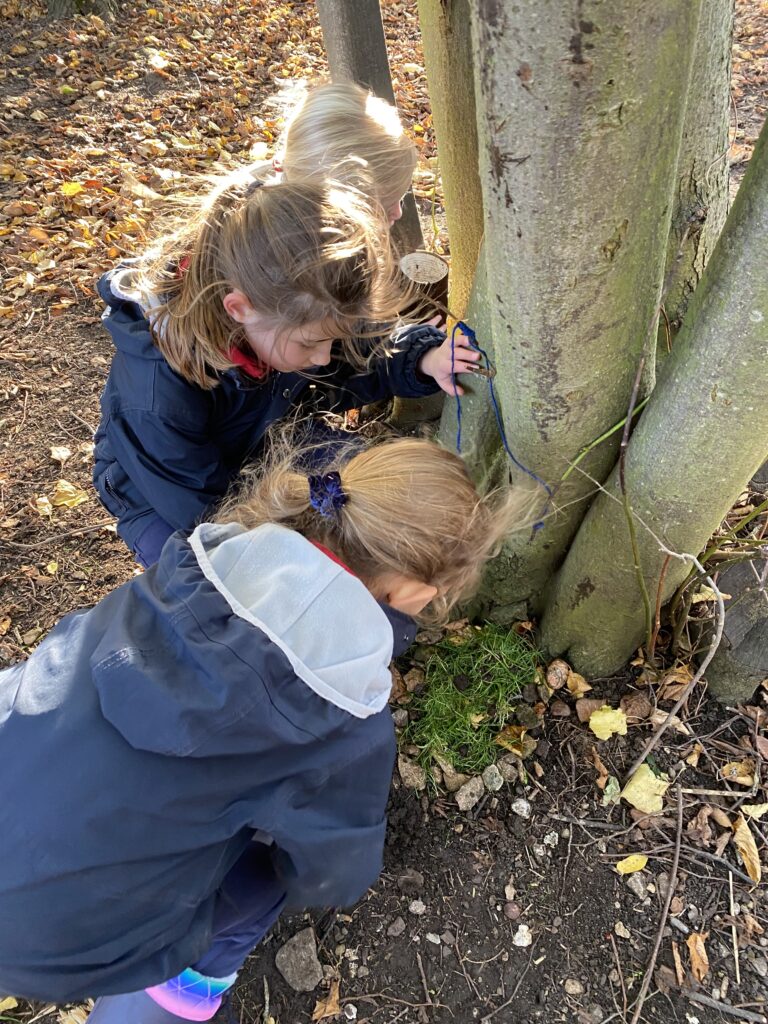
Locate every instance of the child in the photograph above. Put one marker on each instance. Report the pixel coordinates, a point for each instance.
(223, 327)
(341, 130)
(212, 742)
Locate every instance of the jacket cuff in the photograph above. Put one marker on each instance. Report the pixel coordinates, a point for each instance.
(413, 342)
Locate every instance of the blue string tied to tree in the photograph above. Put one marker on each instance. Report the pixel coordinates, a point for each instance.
(326, 494)
(489, 373)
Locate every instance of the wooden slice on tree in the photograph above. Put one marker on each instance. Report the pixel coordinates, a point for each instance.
(423, 267)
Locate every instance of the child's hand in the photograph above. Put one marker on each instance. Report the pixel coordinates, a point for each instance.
(442, 364)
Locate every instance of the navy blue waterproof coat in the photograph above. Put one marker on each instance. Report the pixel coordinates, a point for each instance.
(238, 689)
(170, 449)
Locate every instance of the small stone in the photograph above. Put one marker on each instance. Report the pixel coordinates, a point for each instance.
(551, 839)
(448, 938)
(509, 889)
(508, 768)
(522, 936)
(521, 808)
(434, 939)
(596, 1013)
(410, 882)
(559, 709)
(297, 962)
(636, 884)
(512, 910)
(676, 906)
(573, 987)
(470, 793)
(760, 966)
(396, 928)
(400, 718)
(363, 971)
(417, 907)
(493, 778)
(413, 679)
(350, 1010)
(621, 930)
(412, 774)
(452, 779)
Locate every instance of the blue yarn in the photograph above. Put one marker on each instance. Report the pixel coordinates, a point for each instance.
(472, 339)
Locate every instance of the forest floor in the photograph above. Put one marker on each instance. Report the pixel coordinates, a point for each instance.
(512, 910)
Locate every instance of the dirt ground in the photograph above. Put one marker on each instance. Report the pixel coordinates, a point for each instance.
(175, 88)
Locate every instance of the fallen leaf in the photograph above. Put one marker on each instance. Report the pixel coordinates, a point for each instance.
(659, 717)
(698, 952)
(32, 636)
(745, 844)
(328, 1006)
(477, 719)
(674, 682)
(43, 506)
(60, 453)
(5, 624)
(8, 1003)
(612, 791)
(698, 828)
(52, 568)
(755, 810)
(67, 494)
(742, 773)
(71, 188)
(636, 707)
(398, 685)
(719, 815)
(602, 771)
(708, 594)
(577, 685)
(607, 721)
(695, 754)
(585, 706)
(678, 964)
(634, 862)
(558, 672)
(645, 790)
(516, 739)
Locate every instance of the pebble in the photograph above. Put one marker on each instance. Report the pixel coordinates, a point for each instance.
(539, 850)
(522, 936)
(350, 1011)
(400, 718)
(551, 839)
(621, 930)
(412, 774)
(448, 938)
(396, 928)
(521, 808)
(434, 939)
(636, 885)
(411, 881)
(508, 769)
(297, 962)
(493, 778)
(573, 987)
(512, 910)
(470, 793)
(509, 889)
(417, 907)
(760, 966)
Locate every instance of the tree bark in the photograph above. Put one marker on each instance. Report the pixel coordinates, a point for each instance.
(700, 439)
(357, 51)
(741, 661)
(577, 214)
(701, 200)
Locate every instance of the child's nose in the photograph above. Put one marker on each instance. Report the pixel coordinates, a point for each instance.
(321, 355)
(396, 212)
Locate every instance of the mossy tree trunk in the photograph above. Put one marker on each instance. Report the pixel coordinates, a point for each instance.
(576, 219)
(700, 439)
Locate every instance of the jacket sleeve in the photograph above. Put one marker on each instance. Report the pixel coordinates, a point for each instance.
(177, 469)
(395, 373)
(330, 837)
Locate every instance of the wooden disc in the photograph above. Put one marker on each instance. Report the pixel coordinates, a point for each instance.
(424, 267)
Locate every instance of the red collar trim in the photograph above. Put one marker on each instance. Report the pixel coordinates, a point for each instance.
(253, 367)
(333, 558)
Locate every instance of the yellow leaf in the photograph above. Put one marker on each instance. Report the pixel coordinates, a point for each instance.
(43, 506)
(5, 624)
(635, 862)
(52, 568)
(645, 790)
(699, 959)
(606, 722)
(68, 494)
(755, 810)
(38, 234)
(741, 772)
(695, 754)
(328, 1006)
(71, 188)
(745, 844)
(8, 1003)
(476, 719)
(577, 684)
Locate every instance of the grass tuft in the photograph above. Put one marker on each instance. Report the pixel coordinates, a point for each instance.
(472, 687)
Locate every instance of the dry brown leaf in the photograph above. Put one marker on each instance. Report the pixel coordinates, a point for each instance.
(695, 754)
(678, 964)
(698, 828)
(698, 951)
(745, 844)
(742, 773)
(674, 682)
(602, 771)
(636, 707)
(586, 706)
(328, 1006)
(515, 738)
(719, 816)
(577, 685)
(659, 717)
(755, 810)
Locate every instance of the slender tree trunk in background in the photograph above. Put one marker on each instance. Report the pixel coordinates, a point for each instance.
(353, 34)
(577, 212)
(701, 199)
(700, 439)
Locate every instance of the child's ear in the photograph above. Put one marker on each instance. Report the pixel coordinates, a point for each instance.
(238, 306)
(409, 596)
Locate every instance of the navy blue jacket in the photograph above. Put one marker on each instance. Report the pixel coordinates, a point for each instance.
(238, 688)
(169, 448)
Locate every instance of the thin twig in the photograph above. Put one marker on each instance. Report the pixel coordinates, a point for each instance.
(657, 616)
(734, 936)
(628, 507)
(617, 958)
(427, 996)
(59, 537)
(665, 912)
(734, 1011)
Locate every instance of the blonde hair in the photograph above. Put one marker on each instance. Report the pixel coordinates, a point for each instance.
(298, 252)
(343, 131)
(411, 509)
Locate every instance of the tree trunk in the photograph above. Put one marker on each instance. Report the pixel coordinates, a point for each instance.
(577, 216)
(699, 441)
(701, 199)
(353, 34)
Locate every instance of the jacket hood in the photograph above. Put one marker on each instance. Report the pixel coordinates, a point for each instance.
(126, 316)
(236, 619)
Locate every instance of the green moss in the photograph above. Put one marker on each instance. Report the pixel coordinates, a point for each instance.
(472, 687)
